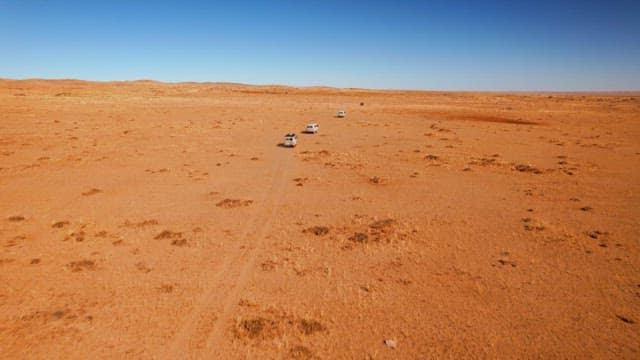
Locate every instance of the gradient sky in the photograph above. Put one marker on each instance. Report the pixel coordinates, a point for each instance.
(447, 45)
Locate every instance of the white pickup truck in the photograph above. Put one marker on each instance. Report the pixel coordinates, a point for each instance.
(341, 113)
(290, 140)
(312, 128)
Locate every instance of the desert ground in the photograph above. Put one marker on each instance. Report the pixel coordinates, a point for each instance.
(152, 220)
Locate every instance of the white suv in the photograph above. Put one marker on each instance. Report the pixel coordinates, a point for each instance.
(311, 128)
(290, 140)
(341, 113)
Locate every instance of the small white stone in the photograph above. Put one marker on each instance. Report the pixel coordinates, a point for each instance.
(390, 343)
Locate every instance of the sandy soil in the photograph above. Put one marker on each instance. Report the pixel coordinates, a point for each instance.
(164, 221)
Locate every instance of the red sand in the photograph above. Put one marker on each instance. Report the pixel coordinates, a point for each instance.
(151, 220)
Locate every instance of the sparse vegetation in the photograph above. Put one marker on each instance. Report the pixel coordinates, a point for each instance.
(317, 230)
(233, 203)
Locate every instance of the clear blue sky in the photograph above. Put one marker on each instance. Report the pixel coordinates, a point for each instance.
(449, 45)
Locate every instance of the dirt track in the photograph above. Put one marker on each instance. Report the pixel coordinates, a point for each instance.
(151, 220)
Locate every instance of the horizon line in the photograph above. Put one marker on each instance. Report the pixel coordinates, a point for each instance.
(168, 82)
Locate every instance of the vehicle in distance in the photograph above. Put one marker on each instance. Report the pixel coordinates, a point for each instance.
(312, 128)
(290, 140)
(341, 113)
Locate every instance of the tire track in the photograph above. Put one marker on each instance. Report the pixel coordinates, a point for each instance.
(206, 322)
